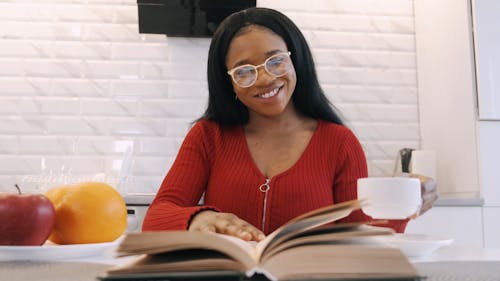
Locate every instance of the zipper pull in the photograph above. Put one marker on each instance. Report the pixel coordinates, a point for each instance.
(265, 186)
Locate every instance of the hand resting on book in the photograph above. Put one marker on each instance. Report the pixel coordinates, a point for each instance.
(225, 223)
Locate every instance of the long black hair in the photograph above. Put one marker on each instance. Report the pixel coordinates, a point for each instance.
(308, 97)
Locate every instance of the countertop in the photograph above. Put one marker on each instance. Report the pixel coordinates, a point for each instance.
(446, 264)
(443, 201)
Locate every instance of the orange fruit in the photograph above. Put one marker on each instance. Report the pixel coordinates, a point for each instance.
(89, 212)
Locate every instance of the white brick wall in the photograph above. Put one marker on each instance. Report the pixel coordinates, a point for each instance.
(81, 87)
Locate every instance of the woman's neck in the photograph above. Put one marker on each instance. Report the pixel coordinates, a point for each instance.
(289, 121)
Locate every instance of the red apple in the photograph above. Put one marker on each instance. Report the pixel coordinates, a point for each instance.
(25, 219)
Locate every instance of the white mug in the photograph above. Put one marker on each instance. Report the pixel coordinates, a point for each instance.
(390, 197)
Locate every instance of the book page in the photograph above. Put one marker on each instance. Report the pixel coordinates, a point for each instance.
(308, 221)
(346, 260)
(166, 241)
(326, 235)
(178, 261)
(328, 209)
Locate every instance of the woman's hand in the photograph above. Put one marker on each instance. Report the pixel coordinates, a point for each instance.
(225, 223)
(428, 188)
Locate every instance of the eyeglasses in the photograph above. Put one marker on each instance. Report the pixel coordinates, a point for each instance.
(276, 65)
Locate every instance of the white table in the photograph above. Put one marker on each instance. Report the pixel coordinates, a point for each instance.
(446, 264)
(461, 264)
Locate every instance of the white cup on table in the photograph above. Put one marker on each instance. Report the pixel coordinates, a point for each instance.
(390, 197)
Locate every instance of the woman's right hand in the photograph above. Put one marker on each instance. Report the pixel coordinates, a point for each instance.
(225, 223)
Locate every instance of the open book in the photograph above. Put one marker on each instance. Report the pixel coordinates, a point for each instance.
(307, 247)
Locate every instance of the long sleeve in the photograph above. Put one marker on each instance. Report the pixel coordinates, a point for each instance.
(176, 200)
(352, 166)
(216, 161)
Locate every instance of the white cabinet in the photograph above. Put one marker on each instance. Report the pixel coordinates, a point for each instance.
(487, 51)
(463, 224)
(489, 161)
(491, 227)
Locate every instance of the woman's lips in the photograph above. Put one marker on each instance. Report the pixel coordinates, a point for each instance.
(269, 94)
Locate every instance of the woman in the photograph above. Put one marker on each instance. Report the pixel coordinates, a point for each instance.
(269, 146)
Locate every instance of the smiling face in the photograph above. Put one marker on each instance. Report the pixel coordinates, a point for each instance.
(269, 96)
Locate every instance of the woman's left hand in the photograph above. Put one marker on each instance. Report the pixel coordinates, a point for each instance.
(428, 187)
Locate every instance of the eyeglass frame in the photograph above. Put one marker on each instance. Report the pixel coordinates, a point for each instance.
(256, 67)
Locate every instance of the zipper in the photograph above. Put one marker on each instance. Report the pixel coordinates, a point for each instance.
(264, 188)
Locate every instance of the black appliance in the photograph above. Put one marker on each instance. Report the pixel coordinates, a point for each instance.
(186, 18)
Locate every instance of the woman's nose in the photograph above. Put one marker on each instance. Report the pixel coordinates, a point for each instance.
(263, 77)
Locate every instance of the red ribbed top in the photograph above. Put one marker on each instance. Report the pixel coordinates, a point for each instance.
(216, 161)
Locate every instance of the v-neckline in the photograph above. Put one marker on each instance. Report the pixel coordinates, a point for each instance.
(291, 168)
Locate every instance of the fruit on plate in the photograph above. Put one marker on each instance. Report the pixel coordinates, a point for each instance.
(25, 219)
(89, 212)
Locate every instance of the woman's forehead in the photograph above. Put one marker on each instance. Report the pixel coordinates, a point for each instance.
(253, 46)
(253, 40)
(250, 28)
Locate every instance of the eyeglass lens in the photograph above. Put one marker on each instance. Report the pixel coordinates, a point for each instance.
(276, 66)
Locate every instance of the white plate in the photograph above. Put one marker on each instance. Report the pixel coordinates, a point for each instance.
(415, 245)
(49, 251)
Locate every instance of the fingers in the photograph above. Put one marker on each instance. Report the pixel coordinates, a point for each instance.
(428, 200)
(428, 188)
(240, 231)
(225, 223)
(232, 225)
(427, 184)
(429, 193)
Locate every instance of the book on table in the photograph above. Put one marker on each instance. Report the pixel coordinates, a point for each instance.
(308, 247)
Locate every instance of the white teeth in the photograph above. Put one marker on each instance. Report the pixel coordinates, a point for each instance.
(270, 94)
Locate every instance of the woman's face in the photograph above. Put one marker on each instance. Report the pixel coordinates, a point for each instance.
(269, 95)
